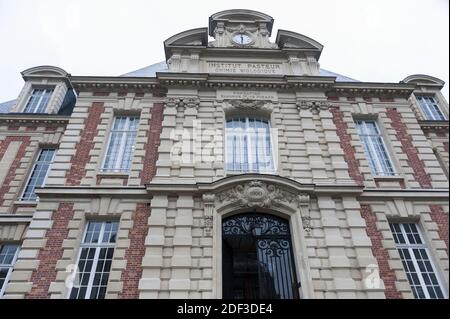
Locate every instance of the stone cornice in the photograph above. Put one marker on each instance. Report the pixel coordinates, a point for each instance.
(48, 193)
(280, 82)
(414, 194)
(434, 125)
(229, 181)
(371, 89)
(25, 118)
(13, 218)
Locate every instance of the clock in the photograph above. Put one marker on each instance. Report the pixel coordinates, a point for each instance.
(242, 39)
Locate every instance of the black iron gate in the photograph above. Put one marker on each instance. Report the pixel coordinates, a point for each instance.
(257, 258)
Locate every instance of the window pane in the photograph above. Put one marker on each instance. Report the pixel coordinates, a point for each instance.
(416, 261)
(430, 108)
(95, 260)
(38, 101)
(119, 155)
(374, 148)
(39, 173)
(7, 259)
(248, 145)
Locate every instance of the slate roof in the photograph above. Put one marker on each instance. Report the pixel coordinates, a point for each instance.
(6, 107)
(150, 71)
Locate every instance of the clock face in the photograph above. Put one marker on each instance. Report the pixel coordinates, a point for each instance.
(242, 39)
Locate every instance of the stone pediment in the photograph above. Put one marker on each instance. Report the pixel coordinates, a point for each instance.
(423, 79)
(263, 191)
(44, 71)
(191, 38)
(292, 40)
(237, 16)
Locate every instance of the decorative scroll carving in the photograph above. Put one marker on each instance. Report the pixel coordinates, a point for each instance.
(314, 106)
(189, 102)
(208, 203)
(257, 194)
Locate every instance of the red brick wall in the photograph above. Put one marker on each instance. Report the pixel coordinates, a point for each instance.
(84, 146)
(51, 253)
(345, 141)
(408, 148)
(4, 188)
(380, 253)
(441, 219)
(151, 147)
(134, 254)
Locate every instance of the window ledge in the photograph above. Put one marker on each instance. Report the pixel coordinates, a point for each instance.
(434, 123)
(26, 203)
(389, 178)
(113, 175)
(233, 173)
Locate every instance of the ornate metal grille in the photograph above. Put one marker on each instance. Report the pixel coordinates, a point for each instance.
(258, 259)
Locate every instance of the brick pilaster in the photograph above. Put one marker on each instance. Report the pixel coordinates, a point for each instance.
(408, 148)
(48, 256)
(441, 219)
(151, 147)
(135, 252)
(85, 145)
(345, 141)
(387, 274)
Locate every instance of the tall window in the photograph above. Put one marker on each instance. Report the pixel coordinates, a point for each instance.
(94, 262)
(39, 173)
(121, 144)
(430, 108)
(38, 101)
(374, 148)
(416, 260)
(248, 145)
(8, 256)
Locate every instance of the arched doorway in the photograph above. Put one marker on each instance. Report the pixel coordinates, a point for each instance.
(257, 258)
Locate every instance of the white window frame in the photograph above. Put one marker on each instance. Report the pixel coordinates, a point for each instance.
(10, 268)
(121, 151)
(427, 109)
(379, 167)
(38, 104)
(98, 247)
(407, 245)
(22, 198)
(249, 147)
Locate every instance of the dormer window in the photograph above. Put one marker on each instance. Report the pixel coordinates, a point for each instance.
(38, 100)
(430, 108)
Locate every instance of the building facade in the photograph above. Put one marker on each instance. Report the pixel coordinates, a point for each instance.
(237, 168)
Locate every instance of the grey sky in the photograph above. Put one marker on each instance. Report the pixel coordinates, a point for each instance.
(378, 41)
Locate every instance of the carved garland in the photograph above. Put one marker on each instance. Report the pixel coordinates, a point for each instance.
(261, 105)
(313, 106)
(188, 102)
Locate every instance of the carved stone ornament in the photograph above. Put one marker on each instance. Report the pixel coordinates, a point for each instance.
(208, 203)
(306, 220)
(262, 105)
(189, 102)
(314, 106)
(256, 194)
